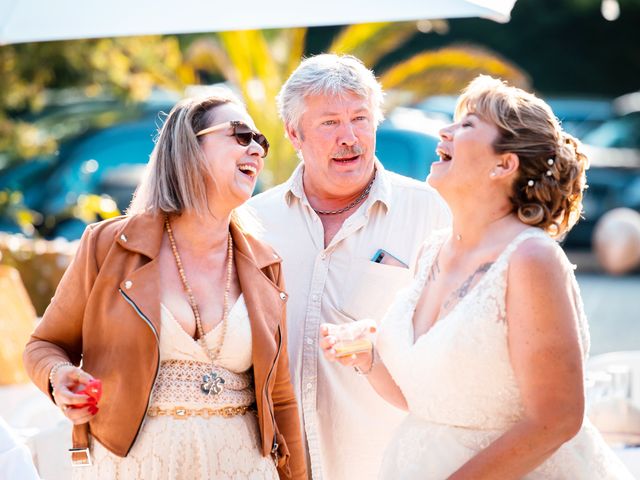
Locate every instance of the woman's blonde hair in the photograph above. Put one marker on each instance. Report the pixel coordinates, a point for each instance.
(548, 188)
(176, 176)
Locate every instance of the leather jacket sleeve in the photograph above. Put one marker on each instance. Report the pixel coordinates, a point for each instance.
(58, 336)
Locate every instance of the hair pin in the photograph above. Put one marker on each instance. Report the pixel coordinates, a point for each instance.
(550, 161)
(549, 173)
(531, 183)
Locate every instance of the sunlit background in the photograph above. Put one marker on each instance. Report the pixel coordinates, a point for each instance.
(78, 119)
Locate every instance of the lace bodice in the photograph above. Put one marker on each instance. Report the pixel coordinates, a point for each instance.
(235, 354)
(183, 363)
(458, 373)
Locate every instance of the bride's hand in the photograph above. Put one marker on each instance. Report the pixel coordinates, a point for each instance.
(336, 342)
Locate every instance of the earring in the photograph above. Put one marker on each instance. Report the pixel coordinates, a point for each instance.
(492, 174)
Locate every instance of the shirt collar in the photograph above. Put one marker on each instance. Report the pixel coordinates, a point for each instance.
(380, 190)
(294, 186)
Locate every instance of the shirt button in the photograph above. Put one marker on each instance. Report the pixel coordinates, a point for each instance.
(128, 284)
(309, 341)
(123, 237)
(314, 297)
(283, 296)
(323, 255)
(309, 386)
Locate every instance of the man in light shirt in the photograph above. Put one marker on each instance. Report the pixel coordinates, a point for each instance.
(338, 211)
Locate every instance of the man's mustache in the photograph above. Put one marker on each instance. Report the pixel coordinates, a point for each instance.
(348, 151)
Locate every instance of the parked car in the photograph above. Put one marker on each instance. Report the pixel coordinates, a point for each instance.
(614, 176)
(98, 141)
(406, 142)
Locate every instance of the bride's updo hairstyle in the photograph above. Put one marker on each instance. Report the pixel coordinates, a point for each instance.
(547, 191)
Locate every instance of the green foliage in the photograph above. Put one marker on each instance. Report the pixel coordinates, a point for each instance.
(127, 68)
(89, 208)
(257, 63)
(446, 71)
(370, 42)
(12, 207)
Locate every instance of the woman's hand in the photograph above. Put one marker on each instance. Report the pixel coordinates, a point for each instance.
(351, 345)
(79, 408)
(337, 341)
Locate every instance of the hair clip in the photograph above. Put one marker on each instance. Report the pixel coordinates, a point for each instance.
(550, 161)
(531, 183)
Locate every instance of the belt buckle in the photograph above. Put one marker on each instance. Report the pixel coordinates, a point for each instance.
(180, 413)
(84, 459)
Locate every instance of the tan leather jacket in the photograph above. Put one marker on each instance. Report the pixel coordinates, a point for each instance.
(106, 313)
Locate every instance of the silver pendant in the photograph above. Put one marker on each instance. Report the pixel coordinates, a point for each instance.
(212, 384)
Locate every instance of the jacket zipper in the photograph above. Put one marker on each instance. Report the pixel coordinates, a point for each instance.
(274, 447)
(155, 334)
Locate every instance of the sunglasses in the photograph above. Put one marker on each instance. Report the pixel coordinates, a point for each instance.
(243, 133)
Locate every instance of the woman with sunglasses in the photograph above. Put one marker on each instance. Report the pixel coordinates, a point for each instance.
(180, 314)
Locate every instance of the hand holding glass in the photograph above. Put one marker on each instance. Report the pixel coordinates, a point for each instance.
(349, 338)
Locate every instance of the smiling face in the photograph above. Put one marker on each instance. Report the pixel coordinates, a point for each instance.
(467, 156)
(336, 137)
(234, 168)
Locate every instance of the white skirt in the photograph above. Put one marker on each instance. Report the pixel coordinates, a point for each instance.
(190, 449)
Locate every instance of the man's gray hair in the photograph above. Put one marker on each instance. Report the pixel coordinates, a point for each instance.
(328, 74)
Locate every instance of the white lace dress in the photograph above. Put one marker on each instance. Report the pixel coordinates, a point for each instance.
(460, 387)
(196, 447)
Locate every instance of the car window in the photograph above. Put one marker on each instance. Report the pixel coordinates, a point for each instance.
(406, 152)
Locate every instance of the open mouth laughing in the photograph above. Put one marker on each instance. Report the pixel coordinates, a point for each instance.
(443, 154)
(248, 169)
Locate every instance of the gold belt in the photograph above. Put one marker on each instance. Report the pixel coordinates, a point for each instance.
(181, 412)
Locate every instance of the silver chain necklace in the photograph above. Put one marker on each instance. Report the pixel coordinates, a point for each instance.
(362, 196)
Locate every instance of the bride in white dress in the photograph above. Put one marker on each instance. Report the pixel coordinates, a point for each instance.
(485, 349)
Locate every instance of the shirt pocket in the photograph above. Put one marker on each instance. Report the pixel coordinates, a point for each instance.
(371, 287)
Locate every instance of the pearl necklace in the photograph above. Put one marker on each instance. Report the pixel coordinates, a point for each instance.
(211, 382)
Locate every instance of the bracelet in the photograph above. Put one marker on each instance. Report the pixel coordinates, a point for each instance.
(361, 372)
(53, 371)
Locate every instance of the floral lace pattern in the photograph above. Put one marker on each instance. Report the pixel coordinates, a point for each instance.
(186, 449)
(459, 384)
(196, 447)
(178, 383)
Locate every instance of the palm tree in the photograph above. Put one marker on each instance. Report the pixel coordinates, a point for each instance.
(258, 62)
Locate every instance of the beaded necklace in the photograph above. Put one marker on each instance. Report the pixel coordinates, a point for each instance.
(211, 382)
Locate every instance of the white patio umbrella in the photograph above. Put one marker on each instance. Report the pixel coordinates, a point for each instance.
(42, 20)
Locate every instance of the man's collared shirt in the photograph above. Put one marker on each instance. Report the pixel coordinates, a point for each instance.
(346, 423)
